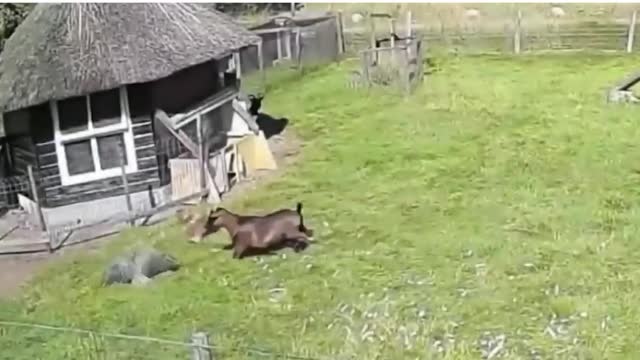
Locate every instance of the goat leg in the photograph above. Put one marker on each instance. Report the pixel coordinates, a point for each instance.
(230, 246)
(299, 242)
(306, 231)
(300, 245)
(238, 250)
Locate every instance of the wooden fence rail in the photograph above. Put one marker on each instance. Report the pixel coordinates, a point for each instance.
(518, 35)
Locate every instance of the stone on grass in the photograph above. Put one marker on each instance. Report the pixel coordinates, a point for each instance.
(139, 267)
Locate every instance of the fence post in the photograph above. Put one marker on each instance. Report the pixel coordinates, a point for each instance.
(340, 30)
(365, 68)
(238, 163)
(36, 198)
(298, 48)
(279, 44)
(632, 32)
(287, 42)
(261, 64)
(409, 24)
(392, 31)
(201, 349)
(202, 157)
(372, 37)
(237, 63)
(407, 70)
(127, 195)
(517, 35)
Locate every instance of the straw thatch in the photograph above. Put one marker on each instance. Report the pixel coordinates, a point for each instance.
(71, 49)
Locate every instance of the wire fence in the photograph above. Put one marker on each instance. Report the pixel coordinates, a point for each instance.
(31, 340)
(10, 187)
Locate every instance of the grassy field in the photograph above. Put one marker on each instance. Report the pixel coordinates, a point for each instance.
(501, 199)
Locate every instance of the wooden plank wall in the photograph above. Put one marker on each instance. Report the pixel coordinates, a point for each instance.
(147, 175)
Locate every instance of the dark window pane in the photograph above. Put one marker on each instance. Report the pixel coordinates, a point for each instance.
(139, 100)
(73, 114)
(105, 108)
(79, 157)
(111, 150)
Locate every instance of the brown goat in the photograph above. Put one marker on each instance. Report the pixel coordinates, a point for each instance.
(263, 232)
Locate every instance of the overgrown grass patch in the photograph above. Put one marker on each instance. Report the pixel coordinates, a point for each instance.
(501, 198)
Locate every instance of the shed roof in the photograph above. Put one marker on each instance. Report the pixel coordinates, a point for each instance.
(71, 49)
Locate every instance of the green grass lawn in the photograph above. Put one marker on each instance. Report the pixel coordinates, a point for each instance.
(502, 194)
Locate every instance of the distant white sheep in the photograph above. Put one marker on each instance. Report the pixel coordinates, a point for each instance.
(557, 12)
(472, 14)
(356, 18)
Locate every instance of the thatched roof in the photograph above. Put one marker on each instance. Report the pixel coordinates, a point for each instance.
(71, 49)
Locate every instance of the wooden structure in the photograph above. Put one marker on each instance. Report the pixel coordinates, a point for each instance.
(398, 64)
(622, 93)
(295, 39)
(74, 141)
(98, 126)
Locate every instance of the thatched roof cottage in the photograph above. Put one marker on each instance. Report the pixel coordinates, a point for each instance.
(80, 84)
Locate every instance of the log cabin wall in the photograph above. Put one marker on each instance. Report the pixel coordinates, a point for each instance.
(55, 194)
(173, 94)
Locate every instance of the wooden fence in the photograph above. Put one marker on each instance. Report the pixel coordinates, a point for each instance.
(519, 34)
(399, 66)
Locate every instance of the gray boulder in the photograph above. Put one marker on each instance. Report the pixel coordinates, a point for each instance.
(139, 267)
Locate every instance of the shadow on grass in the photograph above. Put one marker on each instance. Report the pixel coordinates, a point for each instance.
(253, 252)
(270, 125)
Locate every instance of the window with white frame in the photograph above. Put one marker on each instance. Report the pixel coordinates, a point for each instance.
(93, 136)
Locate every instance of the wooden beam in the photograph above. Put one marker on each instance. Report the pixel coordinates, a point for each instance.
(125, 185)
(340, 30)
(372, 32)
(261, 65)
(238, 63)
(178, 134)
(380, 49)
(517, 34)
(632, 31)
(217, 100)
(381, 15)
(629, 81)
(269, 31)
(392, 32)
(36, 198)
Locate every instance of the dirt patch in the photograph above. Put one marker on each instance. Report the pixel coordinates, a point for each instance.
(17, 270)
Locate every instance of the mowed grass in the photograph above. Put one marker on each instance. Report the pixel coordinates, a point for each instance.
(500, 199)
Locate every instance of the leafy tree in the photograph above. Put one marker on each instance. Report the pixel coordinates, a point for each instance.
(11, 15)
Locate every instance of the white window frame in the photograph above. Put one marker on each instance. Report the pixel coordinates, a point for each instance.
(124, 127)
